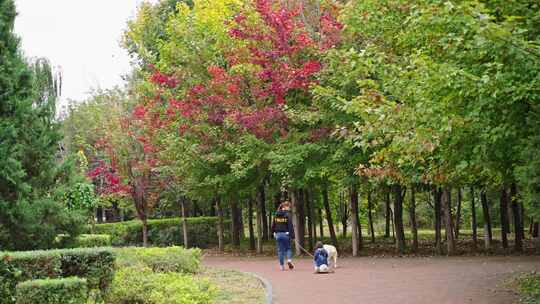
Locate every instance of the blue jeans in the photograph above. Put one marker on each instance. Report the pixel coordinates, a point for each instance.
(284, 247)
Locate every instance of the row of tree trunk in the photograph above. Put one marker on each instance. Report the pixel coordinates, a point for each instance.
(303, 208)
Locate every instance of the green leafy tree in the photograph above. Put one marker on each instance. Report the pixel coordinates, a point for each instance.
(31, 179)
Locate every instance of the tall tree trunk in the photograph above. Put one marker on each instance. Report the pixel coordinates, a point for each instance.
(309, 211)
(344, 214)
(241, 221)
(518, 228)
(235, 215)
(458, 213)
(473, 221)
(392, 224)
(504, 217)
(353, 199)
(447, 201)
(488, 237)
(387, 213)
(145, 231)
(437, 197)
(263, 211)
(184, 222)
(296, 220)
(219, 211)
(99, 215)
(370, 217)
(260, 217)
(321, 226)
(535, 230)
(398, 218)
(329, 220)
(300, 208)
(412, 218)
(277, 200)
(250, 225)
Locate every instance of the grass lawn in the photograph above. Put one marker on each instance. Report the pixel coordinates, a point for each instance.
(234, 287)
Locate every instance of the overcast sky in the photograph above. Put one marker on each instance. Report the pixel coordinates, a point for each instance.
(80, 36)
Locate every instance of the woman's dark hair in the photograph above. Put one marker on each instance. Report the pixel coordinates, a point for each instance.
(319, 244)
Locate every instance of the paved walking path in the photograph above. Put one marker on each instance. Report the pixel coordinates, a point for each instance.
(456, 280)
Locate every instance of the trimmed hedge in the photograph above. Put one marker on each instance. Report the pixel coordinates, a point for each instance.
(93, 240)
(167, 259)
(94, 264)
(143, 286)
(202, 232)
(53, 291)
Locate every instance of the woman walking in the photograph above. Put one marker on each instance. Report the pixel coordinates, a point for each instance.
(283, 230)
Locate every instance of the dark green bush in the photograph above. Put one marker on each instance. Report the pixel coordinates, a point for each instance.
(93, 240)
(167, 259)
(53, 291)
(94, 264)
(202, 232)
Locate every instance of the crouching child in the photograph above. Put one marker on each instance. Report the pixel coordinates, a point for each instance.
(320, 259)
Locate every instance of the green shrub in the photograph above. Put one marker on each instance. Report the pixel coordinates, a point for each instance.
(94, 264)
(168, 259)
(202, 232)
(143, 286)
(93, 240)
(53, 291)
(529, 288)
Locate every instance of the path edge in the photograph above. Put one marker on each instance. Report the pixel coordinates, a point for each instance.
(267, 287)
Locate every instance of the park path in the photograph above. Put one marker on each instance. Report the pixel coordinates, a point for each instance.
(430, 280)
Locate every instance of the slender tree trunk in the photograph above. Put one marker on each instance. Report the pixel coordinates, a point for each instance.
(447, 201)
(535, 230)
(360, 237)
(116, 212)
(487, 220)
(473, 221)
(343, 206)
(437, 197)
(309, 211)
(263, 212)
(412, 218)
(300, 208)
(458, 213)
(321, 226)
(518, 228)
(387, 213)
(392, 224)
(219, 211)
(99, 215)
(329, 220)
(260, 217)
(504, 217)
(241, 221)
(296, 220)
(235, 215)
(398, 218)
(184, 222)
(353, 192)
(370, 217)
(269, 212)
(315, 222)
(145, 231)
(250, 225)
